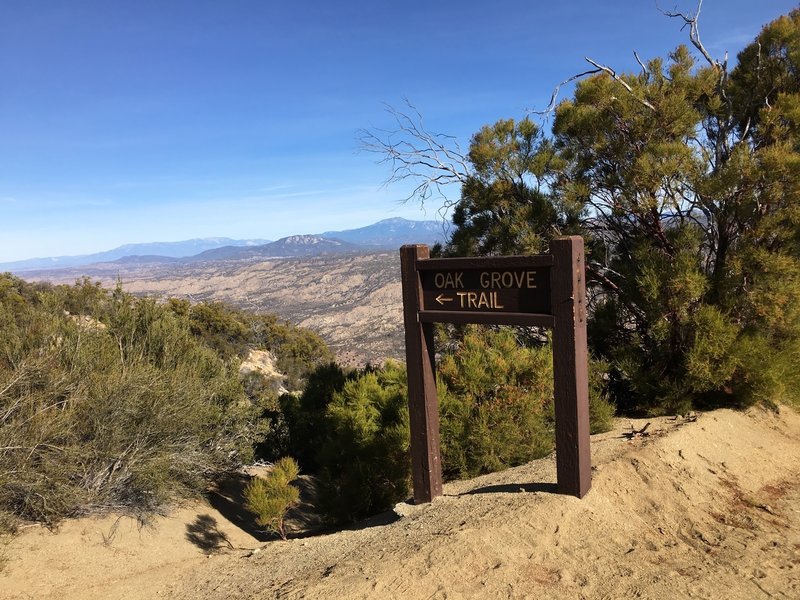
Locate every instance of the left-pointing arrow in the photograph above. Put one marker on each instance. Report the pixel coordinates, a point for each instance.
(441, 299)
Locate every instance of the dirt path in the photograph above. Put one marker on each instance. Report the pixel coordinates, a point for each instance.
(709, 509)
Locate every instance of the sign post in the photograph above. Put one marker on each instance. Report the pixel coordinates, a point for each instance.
(423, 403)
(546, 290)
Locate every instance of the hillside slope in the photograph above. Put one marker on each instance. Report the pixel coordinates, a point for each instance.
(353, 301)
(707, 509)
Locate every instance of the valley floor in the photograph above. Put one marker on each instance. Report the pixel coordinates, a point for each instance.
(703, 509)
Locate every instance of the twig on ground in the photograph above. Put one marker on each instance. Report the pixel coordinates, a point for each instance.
(637, 433)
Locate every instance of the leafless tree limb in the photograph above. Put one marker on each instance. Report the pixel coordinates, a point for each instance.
(645, 71)
(557, 89)
(433, 160)
(692, 21)
(598, 68)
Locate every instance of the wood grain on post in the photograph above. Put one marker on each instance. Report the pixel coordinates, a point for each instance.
(570, 366)
(423, 404)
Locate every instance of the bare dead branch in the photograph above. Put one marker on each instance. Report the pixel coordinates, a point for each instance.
(598, 69)
(554, 95)
(637, 433)
(434, 160)
(691, 20)
(641, 64)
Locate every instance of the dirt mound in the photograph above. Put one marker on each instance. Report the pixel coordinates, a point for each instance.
(707, 509)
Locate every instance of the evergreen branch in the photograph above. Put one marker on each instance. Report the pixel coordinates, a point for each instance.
(613, 74)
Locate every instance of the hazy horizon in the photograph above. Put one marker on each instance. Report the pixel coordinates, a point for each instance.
(206, 239)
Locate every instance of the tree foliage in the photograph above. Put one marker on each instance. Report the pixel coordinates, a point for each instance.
(690, 209)
(503, 207)
(684, 180)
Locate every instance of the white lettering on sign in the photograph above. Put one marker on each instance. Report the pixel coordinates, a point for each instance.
(448, 280)
(478, 300)
(508, 279)
(492, 282)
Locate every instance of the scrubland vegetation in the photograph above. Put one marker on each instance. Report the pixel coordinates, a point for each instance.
(112, 402)
(270, 497)
(684, 180)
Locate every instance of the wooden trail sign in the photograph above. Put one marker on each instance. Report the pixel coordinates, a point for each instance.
(545, 290)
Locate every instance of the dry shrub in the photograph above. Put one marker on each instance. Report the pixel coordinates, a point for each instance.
(126, 410)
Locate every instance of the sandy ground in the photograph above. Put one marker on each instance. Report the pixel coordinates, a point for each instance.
(704, 509)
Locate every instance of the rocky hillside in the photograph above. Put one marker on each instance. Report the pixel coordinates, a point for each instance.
(353, 300)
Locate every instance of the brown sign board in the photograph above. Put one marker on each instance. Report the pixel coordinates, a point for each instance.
(494, 285)
(546, 290)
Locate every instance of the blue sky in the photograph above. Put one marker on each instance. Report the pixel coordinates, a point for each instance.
(125, 122)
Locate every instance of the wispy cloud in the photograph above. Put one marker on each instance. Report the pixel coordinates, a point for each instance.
(277, 188)
(168, 182)
(297, 194)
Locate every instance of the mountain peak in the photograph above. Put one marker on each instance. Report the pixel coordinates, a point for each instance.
(308, 239)
(392, 233)
(394, 221)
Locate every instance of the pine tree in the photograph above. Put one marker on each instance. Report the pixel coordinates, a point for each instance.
(270, 497)
(684, 180)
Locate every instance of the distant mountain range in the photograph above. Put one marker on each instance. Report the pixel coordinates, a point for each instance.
(294, 245)
(386, 234)
(163, 250)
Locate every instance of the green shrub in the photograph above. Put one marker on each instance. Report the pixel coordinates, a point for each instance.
(496, 411)
(108, 401)
(297, 350)
(601, 409)
(364, 461)
(495, 403)
(219, 328)
(232, 332)
(270, 497)
(305, 414)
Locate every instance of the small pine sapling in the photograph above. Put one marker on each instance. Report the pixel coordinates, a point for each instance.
(271, 497)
